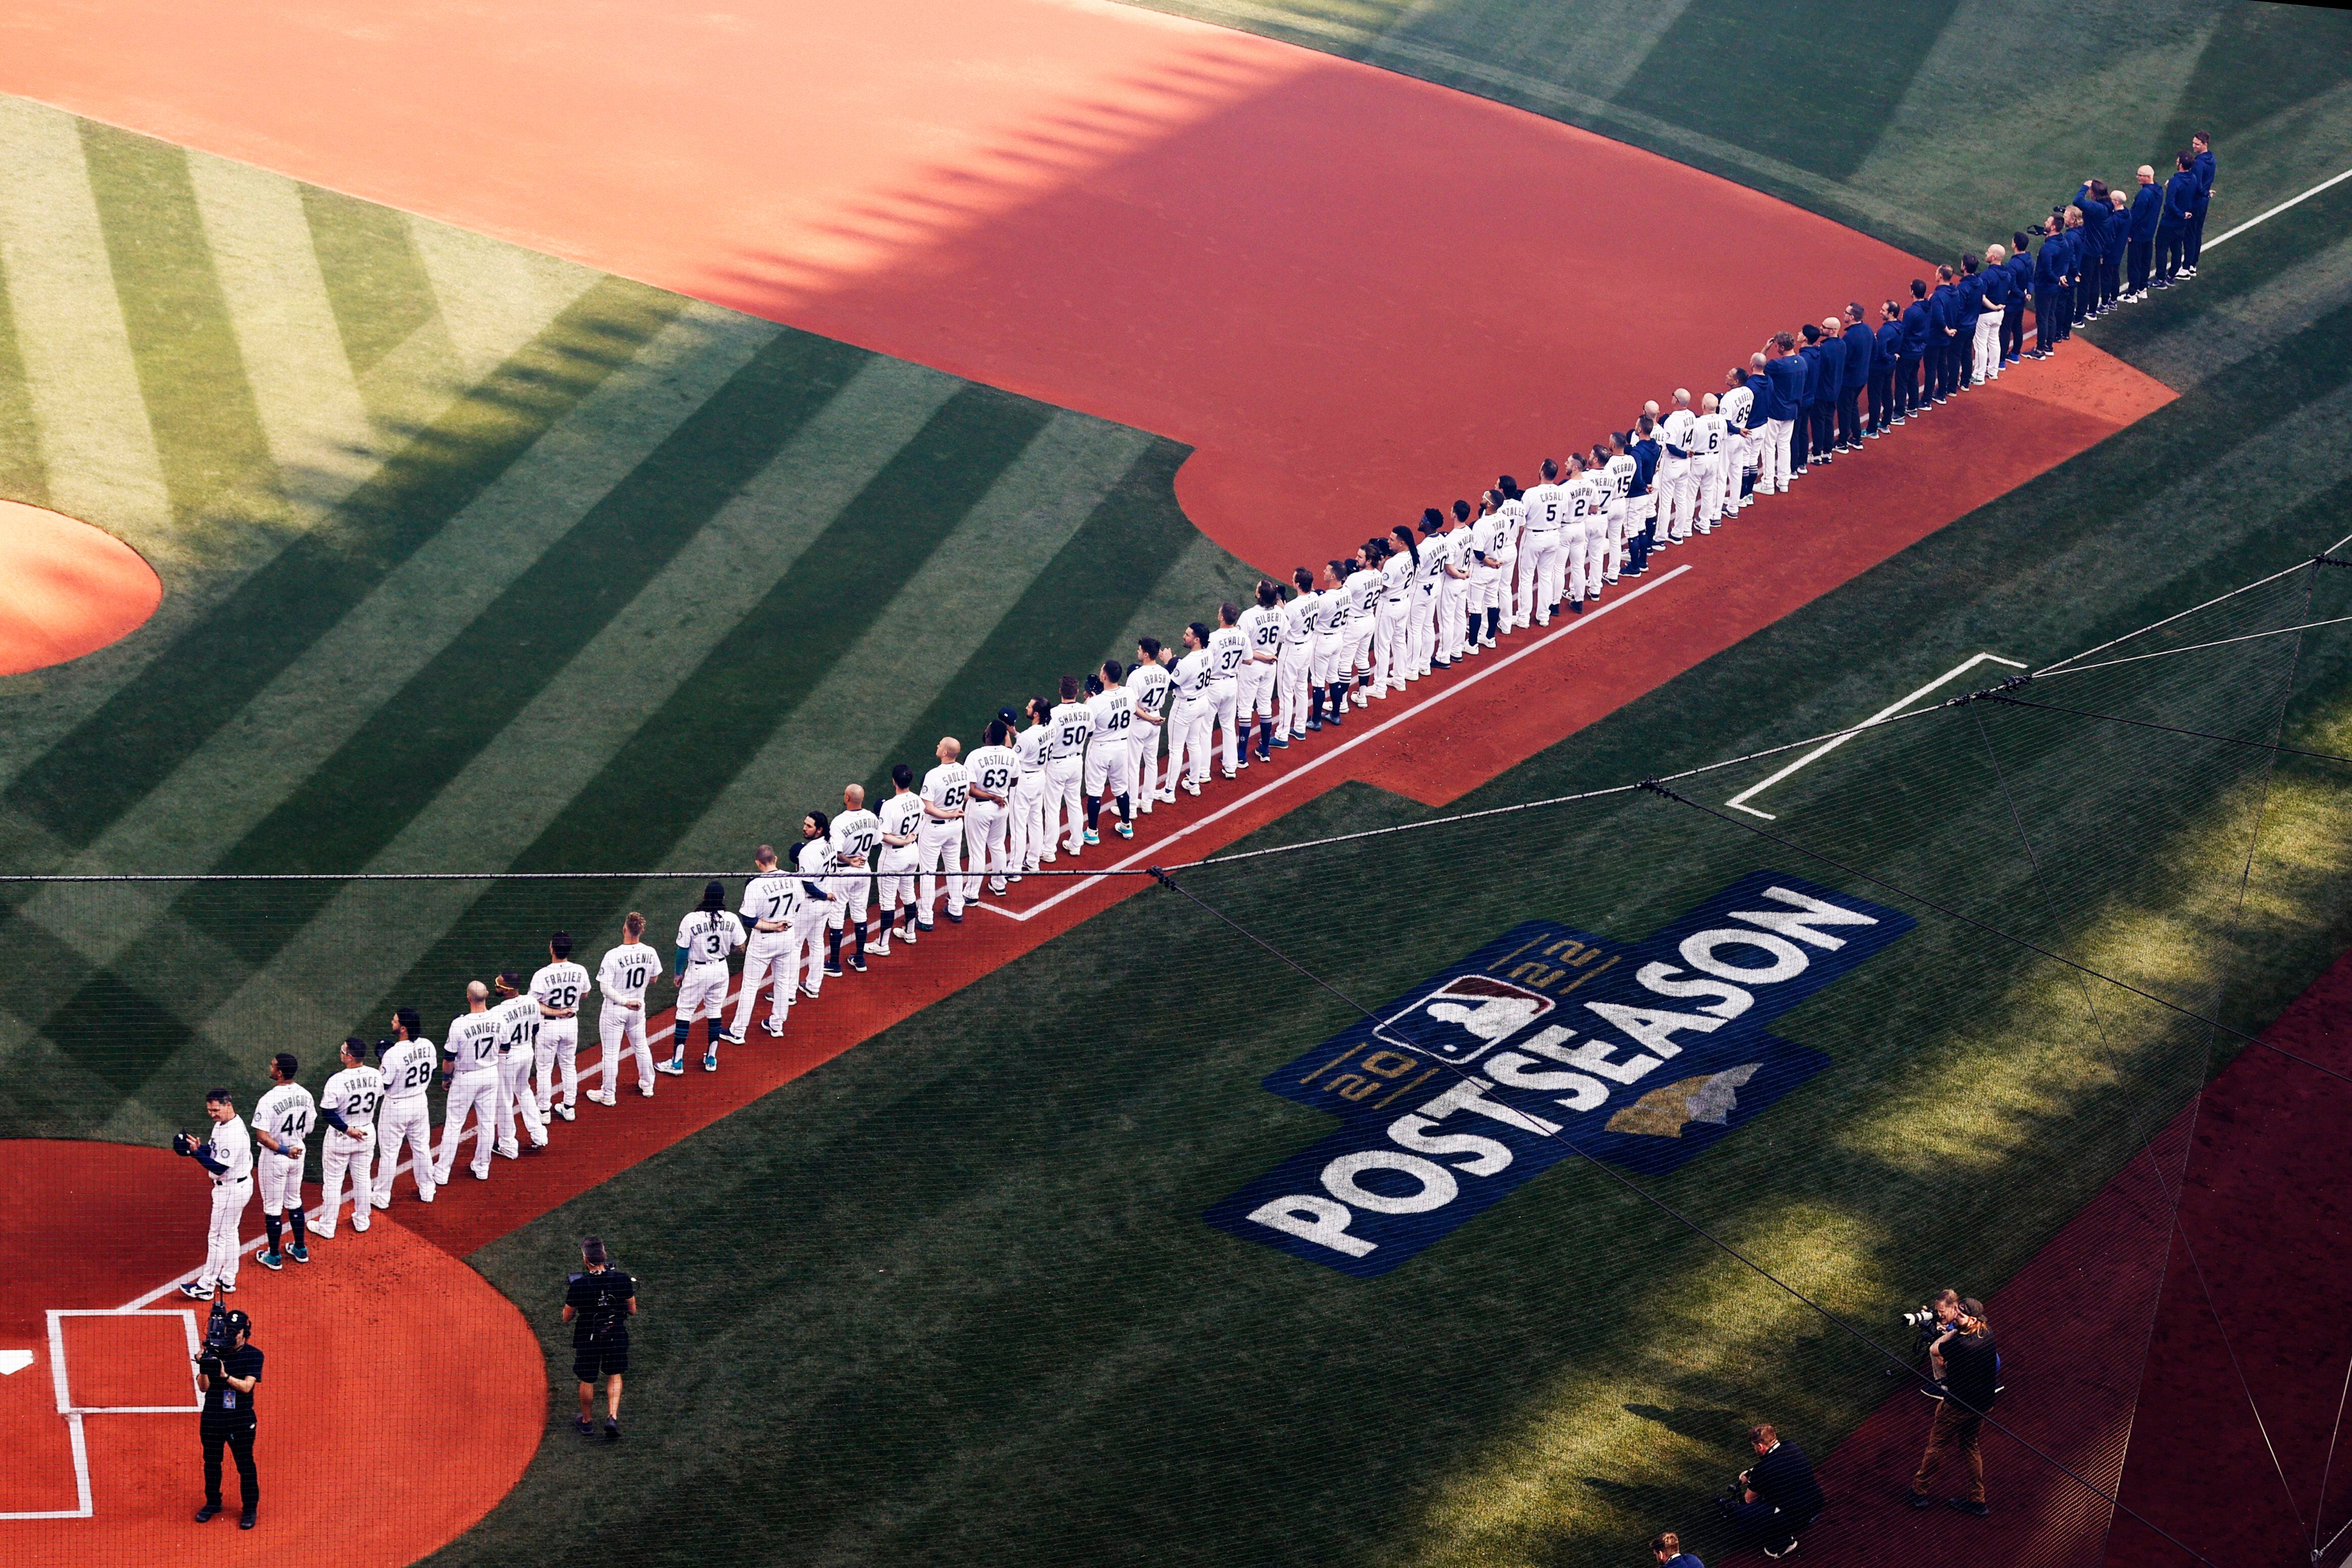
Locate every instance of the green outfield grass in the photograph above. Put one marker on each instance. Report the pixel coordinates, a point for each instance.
(476, 558)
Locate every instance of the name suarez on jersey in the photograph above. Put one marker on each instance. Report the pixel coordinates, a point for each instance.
(1547, 1044)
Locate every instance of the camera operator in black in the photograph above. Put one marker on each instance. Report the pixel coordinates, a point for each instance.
(598, 1303)
(226, 1370)
(1968, 1367)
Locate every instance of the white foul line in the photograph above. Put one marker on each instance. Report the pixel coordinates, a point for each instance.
(2274, 211)
(1139, 856)
(1825, 748)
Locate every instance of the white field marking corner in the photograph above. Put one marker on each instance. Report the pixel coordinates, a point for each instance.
(73, 1412)
(1738, 801)
(1080, 884)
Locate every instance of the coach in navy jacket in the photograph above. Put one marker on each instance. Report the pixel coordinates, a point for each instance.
(2139, 244)
(2050, 294)
(1944, 313)
(2020, 267)
(1809, 392)
(2203, 167)
(1916, 324)
(2172, 221)
(1858, 355)
(1826, 439)
(1885, 353)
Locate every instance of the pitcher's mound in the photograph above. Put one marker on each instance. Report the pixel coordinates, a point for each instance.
(66, 588)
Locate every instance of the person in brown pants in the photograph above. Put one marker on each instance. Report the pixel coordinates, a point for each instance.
(1967, 1373)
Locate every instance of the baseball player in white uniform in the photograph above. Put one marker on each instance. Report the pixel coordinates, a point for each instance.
(1228, 652)
(1772, 474)
(946, 791)
(1677, 484)
(854, 835)
(1147, 684)
(518, 1018)
(813, 916)
(557, 988)
(1298, 614)
(228, 1159)
(1027, 837)
(1065, 754)
(1543, 553)
(1454, 589)
(1514, 521)
(1363, 589)
(708, 933)
(1618, 473)
(348, 1106)
(1421, 609)
(902, 821)
(766, 916)
(1110, 752)
(409, 1065)
(992, 767)
(1189, 743)
(471, 1047)
(623, 976)
(1390, 633)
(281, 1125)
(1334, 636)
(1583, 513)
(1711, 457)
(1261, 630)
(1737, 402)
(1486, 572)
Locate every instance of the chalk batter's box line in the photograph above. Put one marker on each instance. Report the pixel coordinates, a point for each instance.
(66, 1406)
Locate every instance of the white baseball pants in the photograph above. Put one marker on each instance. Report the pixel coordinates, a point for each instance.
(1710, 490)
(221, 1249)
(1063, 778)
(477, 1093)
(515, 1095)
(623, 1030)
(408, 1121)
(556, 1054)
(1026, 837)
(1550, 552)
(1773, 473)
(1255, 700)
(1188, 754)
(1986, 366)
(1224, 700)
(941, 844)
(344, 1154)
(1575, 550)
(1506, 596)
(1290, 689)
(1143, 761)
(1677, 489)
(764, 966)
(805, 934)
(983, 840)
(1389, 638)
(281, 1181)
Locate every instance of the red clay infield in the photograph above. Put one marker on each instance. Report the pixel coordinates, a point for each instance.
(352, 1339)
(71, 590)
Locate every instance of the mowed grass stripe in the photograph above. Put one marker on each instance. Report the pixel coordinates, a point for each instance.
(21, 475)
(97, 447)
(306, 396)
(131, 742)
(190, 372)
(375, 281)
(556, 747)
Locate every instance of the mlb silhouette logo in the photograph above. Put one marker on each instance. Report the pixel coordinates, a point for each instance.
(1464, 1017)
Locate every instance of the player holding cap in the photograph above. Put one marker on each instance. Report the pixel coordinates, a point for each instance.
(813, 917)
(1146, 683)
(518, 1018)
(947, 788)
(228, 1159)
(1580, 521)
(708, 933)
(472, 1074)
(407, 1118)
(854, 833)
(1065, 751)
(1393, 632)
(1026, 836)
(988, 805)
(348, 1106)
(1110, 752)
(623, 976)
(281, 1125)
(902, 820)
(1261, 630)
(556, 988)
(768, 900)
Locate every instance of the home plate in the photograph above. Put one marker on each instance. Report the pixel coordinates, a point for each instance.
(14, 1361)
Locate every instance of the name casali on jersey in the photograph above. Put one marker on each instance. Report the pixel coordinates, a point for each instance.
(1545, 1044)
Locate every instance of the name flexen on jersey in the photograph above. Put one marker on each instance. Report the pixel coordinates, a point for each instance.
(1546, 1044)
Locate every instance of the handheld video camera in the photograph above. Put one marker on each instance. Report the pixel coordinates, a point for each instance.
(219, 1335)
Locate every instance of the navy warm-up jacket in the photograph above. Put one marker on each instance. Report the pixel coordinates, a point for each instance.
(2203, 167)
(2145, 203)
(1788, 378)
(1890, 345)
(1858, 344)
(1832, 369)
(2049, 265)
(1809, 392)
(2020, 276)
(1992, 289)
(1916, 321)
(2179, 198)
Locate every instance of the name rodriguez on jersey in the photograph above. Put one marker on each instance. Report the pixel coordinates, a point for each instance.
(1547, 1044)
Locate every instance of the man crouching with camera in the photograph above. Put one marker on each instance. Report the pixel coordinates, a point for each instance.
(227, 1367)
(1966, 1369)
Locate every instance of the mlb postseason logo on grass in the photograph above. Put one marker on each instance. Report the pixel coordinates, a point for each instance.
(1546, 1042)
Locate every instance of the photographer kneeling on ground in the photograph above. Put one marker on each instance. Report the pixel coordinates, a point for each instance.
(1967, 1368)
(226, 1370)
(1778, 1495)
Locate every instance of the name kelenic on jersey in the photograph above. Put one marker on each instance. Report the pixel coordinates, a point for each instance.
(1546, 1044)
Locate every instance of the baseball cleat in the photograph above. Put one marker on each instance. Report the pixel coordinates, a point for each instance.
(1192, 788)
(269, 1260)
(509, 1152)
(1279, 741)
(484, 1173)
(857, 964)
(1125, 831)
(207, 1514)
(831, 968)
(710, 1062)
(645, 1090)
(919, 925)
(1093, 837)
(955, 917)
(733, 1037)
(808, 991)
(361, 1226)
(880, 949)
(386, 1203)
(1047, 857)
(772, 1030)
(611, 1431)
(228, 1288)
(1169, 793)
(601, 1096)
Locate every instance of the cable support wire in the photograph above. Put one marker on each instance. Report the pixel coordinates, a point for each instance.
(1890, 1357)
(2011, 700)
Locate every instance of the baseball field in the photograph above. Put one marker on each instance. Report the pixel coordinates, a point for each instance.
(581, 442)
